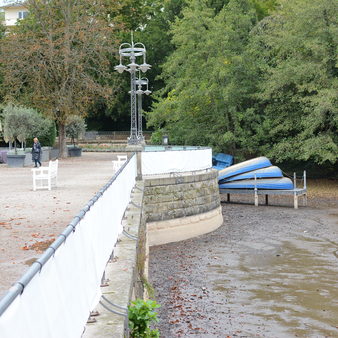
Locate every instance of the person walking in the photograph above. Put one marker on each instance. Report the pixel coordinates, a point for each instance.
(36, 152)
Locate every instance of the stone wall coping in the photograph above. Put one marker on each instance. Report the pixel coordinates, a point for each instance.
(187, 177)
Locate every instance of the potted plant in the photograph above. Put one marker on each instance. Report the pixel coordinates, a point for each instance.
(75, 127)
(17, 125)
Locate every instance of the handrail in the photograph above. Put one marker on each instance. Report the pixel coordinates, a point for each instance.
(19, 286)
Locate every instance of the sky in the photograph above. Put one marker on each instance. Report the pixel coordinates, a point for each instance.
(4, 2)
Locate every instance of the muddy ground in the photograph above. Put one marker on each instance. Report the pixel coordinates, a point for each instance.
(268, 271)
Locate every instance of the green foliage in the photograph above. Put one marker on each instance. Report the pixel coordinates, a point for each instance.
(207, 79)
(2, 26)
(75, 126)
(63, 64)
(253, 77)
(296, 51)
(156, 136)
(141, 315)
(21, 123)
(46, 137)
(2, 34)
(264, 7)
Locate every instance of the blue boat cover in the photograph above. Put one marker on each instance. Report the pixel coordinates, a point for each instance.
(221, 161)
(272, 171)
(243, 167)
(283, 183)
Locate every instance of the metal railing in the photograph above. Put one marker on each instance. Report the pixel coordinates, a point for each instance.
(109, 135)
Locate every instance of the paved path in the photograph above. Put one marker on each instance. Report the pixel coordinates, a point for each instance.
(30, 220)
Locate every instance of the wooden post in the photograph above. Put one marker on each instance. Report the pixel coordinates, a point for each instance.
(305, 192)
(295, 200)
(228, 197)
(256, 195)
(266, 199)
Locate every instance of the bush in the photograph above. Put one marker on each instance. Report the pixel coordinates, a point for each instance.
(141, 314)
(156, 136)
(46, 136)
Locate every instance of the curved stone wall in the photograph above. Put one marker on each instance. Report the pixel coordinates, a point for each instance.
(179, 208)
(174, 197)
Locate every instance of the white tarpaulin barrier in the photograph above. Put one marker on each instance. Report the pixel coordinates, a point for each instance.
(56, 303)
(169, 161)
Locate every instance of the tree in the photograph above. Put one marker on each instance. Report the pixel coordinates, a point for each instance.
(63, 63)
(298, 94)
(21, 123)
(253, 78)
(75, 126)
(208, 81)
(2, 26)
(150, 21)
(2, 34)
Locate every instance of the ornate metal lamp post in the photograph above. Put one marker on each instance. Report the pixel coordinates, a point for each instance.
(141, 81)
(133, 51)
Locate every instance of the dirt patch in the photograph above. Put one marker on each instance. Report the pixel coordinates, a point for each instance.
(268, 271)
(39, 247)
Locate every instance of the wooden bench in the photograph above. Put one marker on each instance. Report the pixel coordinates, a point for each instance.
(120, 160)
(45, 177)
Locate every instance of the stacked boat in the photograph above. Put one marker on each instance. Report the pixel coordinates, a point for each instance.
(255, 173)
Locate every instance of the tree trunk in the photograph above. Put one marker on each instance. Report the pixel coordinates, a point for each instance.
(62, 141)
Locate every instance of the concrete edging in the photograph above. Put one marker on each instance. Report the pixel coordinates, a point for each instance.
(179, 229)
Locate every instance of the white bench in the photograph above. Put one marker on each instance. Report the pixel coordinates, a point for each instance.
(120, 160)
(46, 177)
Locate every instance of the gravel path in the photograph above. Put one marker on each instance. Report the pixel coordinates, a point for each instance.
(30, 220)
(269, 271)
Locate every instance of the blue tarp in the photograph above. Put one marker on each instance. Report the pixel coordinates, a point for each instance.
(221, 161)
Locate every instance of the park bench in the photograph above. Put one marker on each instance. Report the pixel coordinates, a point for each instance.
(117, 164)
(45, 177)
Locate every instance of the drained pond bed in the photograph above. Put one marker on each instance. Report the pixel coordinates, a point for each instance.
(268, 271)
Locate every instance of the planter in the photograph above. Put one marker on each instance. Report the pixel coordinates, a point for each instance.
(54, 153)
(28, 159)
(3, 156)
(74, 152)
(15, 161)
(45, 155)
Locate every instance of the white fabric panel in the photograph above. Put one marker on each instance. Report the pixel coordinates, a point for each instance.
(58, 300)
(164, 162)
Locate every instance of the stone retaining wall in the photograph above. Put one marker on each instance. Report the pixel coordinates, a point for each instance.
(175, 197)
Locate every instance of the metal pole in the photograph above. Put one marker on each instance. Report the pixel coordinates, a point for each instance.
(140, 135)
(133, 51)
(133, 119)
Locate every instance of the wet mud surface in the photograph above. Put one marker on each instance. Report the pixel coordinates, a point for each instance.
(268, 271)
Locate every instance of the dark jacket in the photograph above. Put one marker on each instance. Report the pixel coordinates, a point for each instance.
(36, 151)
